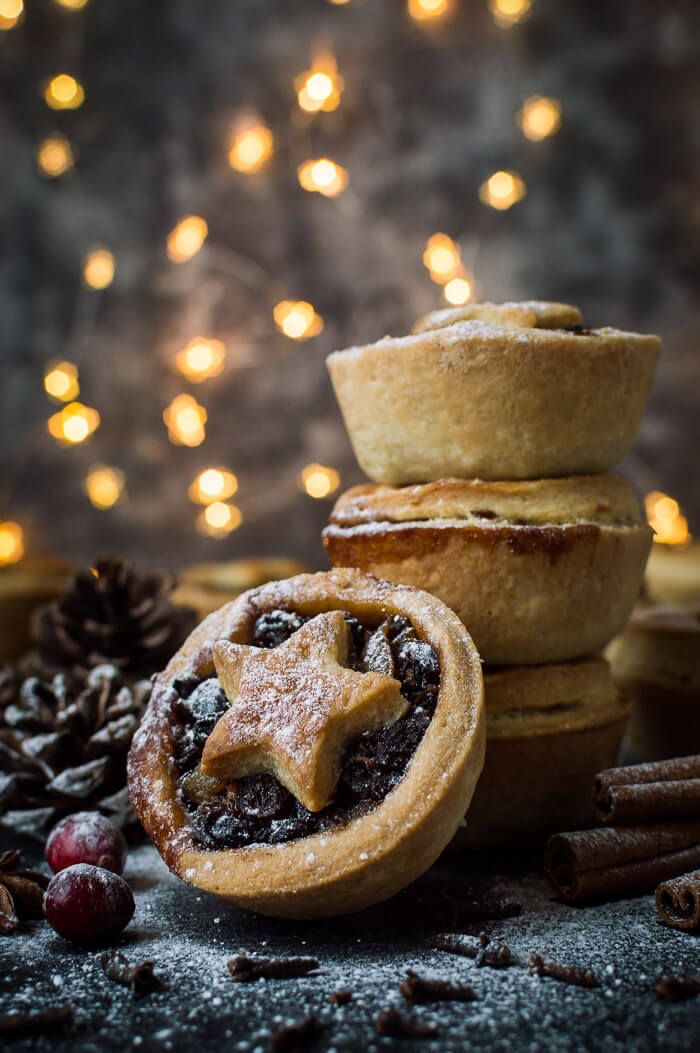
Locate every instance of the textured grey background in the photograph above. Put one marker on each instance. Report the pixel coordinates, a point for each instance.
(611, 221)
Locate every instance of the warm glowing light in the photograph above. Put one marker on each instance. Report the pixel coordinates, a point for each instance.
(61, 381)
(104, 486)
(11, 542)
(186, 238)
(213, 484)
(73, 5)
(64, 92)
(539, 117)
(54, 156)
(425, 10)
(507, 13)
(73, 424)
(441, 257)
(338, 3)
(10, 13)
(200, 359)
(185, 420)
(98, 268)
(318, 480)
(665, 518)
(502, 190)
(323, 176)
(320, 88)
(219, 519)
(459, 290)
(252, 145)
(297, 319)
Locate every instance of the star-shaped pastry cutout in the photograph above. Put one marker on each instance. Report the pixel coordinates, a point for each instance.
(294, 708)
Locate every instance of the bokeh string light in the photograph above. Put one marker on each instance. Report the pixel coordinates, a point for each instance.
(64, 92)
(212, 484)
(442, 258)
(429, 10)
(323, 176)
(507, 13)
(98, 268)
(252, 145)
(72, 5)
(11, 542)
(502, 190)
(219, 519)
(186, 238)
(11, 12)
(297, 319)
(320, 87)
(185, 420)
(539, 117)
(54, 156)
(201, 359)
(664, 515)
(61, 381)
(318, 480)
(459, 290)
(73, 424)
(104, 486)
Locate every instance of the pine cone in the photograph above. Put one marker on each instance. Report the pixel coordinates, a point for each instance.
(63, 746)
(111, 614)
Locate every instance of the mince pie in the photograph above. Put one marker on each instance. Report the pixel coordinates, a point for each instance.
(538, 571)
(517, 391)
(656, 661)
(313, 746)
(549, 730)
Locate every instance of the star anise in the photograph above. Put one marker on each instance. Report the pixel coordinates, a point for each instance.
(21, 891)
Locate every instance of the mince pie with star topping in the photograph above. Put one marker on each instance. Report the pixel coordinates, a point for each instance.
(313, 746)
(494, 391)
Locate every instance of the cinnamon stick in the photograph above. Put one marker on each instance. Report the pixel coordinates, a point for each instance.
(647, 793)
(608, 862)
(678, 901)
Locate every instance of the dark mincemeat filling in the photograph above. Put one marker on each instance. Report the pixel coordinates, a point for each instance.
(258, 809)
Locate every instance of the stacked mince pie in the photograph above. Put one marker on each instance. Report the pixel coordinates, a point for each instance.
(489, 434)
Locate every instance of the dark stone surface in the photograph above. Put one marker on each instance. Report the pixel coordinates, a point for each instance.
(190, 936)
(611, 221)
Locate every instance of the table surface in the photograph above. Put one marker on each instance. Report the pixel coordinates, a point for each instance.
(190, 937)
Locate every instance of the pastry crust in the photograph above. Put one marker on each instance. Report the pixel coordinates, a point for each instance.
(372, 857)
(493, 401)
(540, 571)
(549, 730)
(656, 661)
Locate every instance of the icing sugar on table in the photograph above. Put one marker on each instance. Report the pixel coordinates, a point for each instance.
(190, 936)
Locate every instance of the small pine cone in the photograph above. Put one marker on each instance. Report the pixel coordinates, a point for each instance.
(63, 747)
(111, 614)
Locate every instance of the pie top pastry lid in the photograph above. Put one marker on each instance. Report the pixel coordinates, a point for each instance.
(379, 852)
(477, 336)
(526, 701)
(528, 314)
(604, 500)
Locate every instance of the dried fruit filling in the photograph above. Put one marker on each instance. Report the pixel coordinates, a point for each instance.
(258, 809)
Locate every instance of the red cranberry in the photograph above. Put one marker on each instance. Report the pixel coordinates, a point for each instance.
(86, 837)
(86, 903)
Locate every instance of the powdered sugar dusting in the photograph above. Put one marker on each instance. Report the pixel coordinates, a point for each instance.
(191, 935)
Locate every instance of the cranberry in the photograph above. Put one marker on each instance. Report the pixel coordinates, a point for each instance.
(85, 903)
(86, 837)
